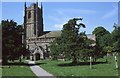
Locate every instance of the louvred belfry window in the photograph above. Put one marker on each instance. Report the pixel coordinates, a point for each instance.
(29, 14)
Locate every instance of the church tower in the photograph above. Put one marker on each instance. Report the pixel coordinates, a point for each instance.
(33, 20)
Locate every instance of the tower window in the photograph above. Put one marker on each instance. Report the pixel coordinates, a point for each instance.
(29, 14)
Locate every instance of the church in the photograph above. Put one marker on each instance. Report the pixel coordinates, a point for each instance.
(35, 38)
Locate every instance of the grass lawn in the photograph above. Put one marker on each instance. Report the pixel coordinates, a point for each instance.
(60, 68)
(17, 69)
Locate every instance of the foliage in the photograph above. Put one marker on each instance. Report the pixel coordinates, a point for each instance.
(100, 31)
(108, 49)
(55, 48)
(71, 43)
(116, 39)
(107, 42)
(103, 41)
(11, 41)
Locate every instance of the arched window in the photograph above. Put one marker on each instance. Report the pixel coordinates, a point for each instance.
(29, 14)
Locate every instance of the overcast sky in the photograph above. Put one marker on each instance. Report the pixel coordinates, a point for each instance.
(56, 14)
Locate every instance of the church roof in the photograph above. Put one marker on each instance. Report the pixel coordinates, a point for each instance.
(51, 34)
(58, 33)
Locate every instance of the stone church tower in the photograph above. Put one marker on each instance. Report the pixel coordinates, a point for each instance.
(33, 21)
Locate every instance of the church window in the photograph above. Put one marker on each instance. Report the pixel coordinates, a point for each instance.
(29, 14)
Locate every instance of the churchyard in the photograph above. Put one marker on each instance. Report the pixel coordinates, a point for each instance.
(65, 68)
(77, 60)
(71, 54)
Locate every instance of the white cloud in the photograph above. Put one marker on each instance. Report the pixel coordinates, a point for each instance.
(59, 26)
(110, 13)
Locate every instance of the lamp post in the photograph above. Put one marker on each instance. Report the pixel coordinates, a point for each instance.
(116, 26)
(90, 62)
(116, 63)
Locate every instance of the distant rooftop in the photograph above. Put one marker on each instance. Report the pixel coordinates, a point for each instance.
(58, 34)
(51, 34)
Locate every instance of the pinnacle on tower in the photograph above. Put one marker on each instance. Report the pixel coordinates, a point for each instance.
(41, 5)
(37, 3)
(41, 8)
(36, 18)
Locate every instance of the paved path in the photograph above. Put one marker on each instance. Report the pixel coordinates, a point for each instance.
(38, 71)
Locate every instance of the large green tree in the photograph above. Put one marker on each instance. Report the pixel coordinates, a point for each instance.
(72, 44)
(103, 40)
(116, 39)
(11, 40)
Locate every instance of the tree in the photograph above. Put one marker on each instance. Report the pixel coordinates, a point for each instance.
(116, 39)
(100, 31)
(11, 40)
(55, 48)
(71, 38)
(72, 43)
(103, 40)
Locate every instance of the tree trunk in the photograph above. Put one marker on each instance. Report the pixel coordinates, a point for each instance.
(75, 60)
(4, 60)
(20, 59)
